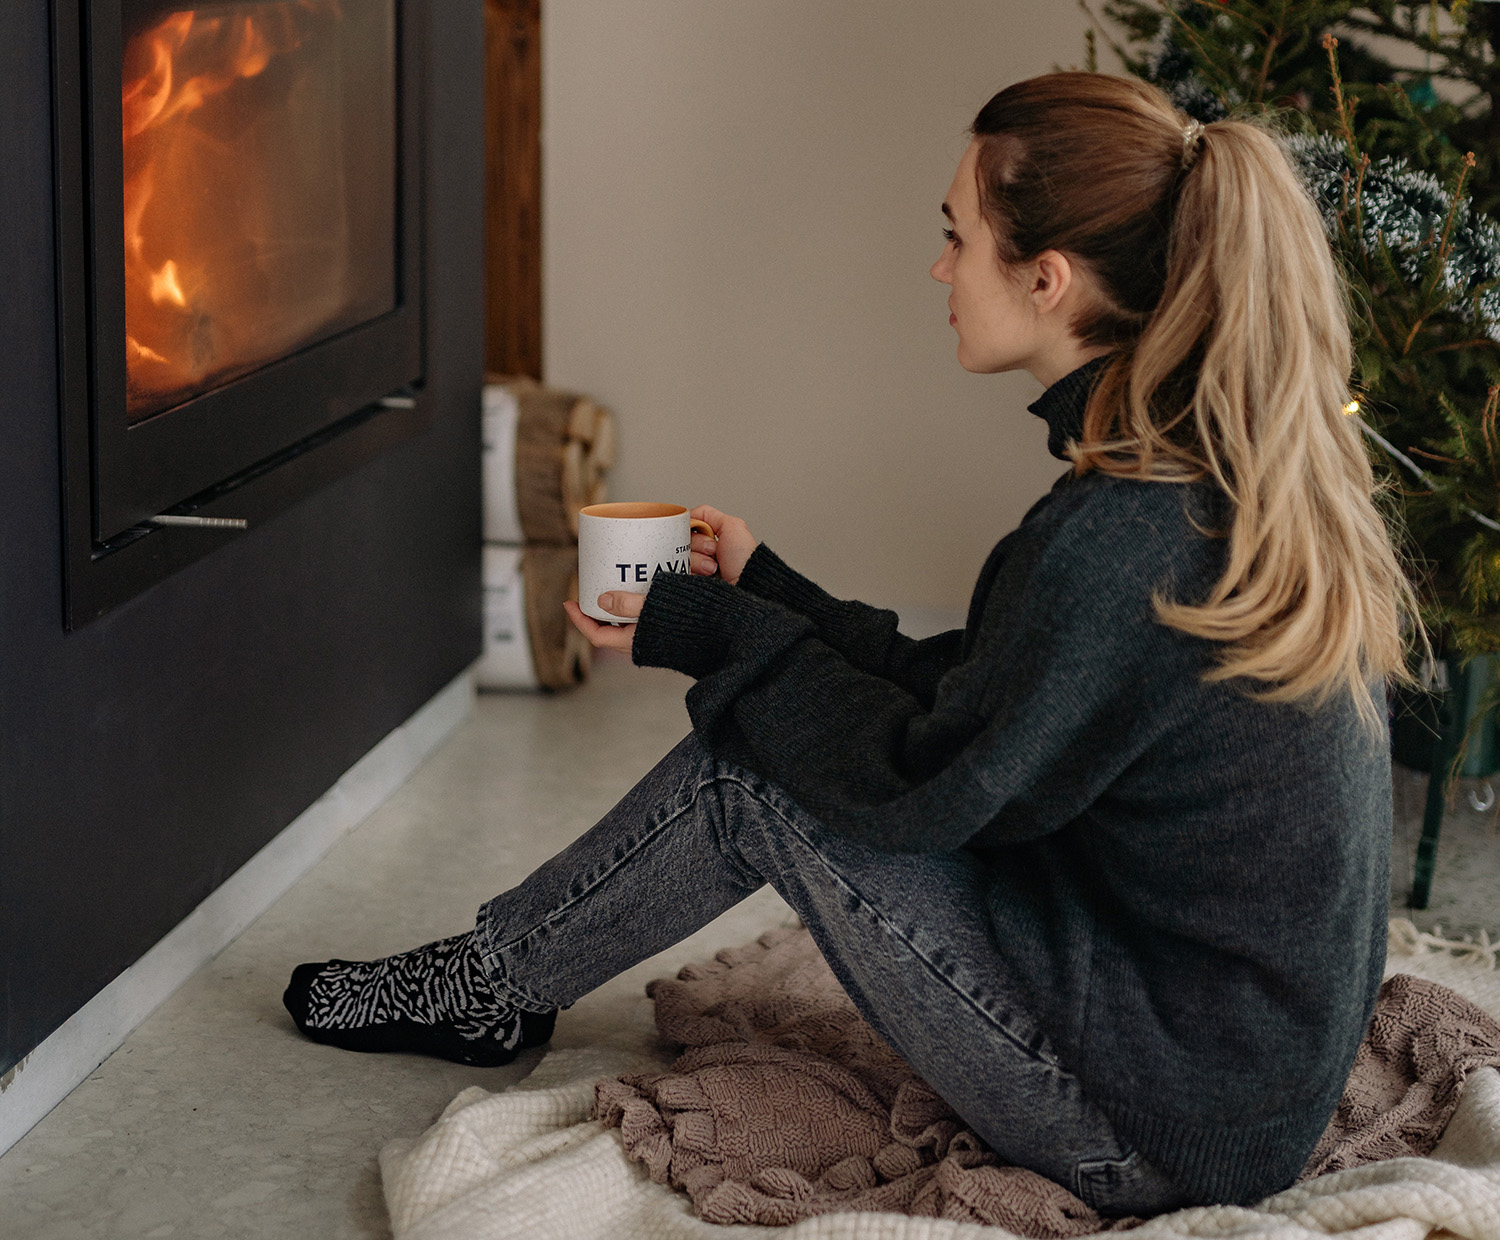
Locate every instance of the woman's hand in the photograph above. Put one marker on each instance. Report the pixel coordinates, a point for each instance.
(728, 552)
(609, 636)
(725, 554)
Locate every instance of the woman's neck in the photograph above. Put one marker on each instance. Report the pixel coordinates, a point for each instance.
(1063, 359)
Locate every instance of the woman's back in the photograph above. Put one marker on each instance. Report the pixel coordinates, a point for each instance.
(1193, 890)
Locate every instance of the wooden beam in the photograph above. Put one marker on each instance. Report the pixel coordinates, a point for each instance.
(513, 187)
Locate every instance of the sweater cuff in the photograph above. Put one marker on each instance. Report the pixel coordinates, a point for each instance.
(767, 575)
(683, 624)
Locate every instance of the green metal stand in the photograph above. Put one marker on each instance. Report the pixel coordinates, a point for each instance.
(1428, 730)
(1451, 725)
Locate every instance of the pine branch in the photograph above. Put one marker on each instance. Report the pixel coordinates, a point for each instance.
(1345, 112)
(1097, 29)
(1433, 456)
(1473, 66)
(1440, 260)
(1359, 194)
(1487, 421)
(1206, 58)
(1458, 189)
(1272, 43)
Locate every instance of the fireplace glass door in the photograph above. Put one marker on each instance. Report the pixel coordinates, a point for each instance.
(259, 149)
(243, 281)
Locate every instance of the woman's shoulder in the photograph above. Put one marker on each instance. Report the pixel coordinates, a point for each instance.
(1076, 506)
(1099, 531)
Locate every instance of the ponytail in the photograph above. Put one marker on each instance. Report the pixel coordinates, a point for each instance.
(1220, 295)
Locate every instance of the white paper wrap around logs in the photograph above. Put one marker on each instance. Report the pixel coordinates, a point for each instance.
(502, 514)
(528, 640)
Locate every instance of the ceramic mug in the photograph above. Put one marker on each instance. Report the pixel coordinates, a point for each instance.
(624, 546)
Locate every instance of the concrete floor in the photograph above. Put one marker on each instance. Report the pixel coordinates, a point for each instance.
(215, 1119)
(1465, 898)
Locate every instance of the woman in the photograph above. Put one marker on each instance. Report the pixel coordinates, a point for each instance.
(1109, 865)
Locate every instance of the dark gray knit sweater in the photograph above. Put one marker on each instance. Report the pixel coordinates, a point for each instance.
(1191, 884)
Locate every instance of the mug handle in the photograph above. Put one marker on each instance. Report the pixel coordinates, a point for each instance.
(703, 527)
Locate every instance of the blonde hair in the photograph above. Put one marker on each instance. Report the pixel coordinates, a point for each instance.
(1220, 293)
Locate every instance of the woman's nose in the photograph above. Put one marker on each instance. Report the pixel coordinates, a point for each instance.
(939, 270)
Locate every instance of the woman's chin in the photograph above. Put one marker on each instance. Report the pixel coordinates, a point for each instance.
(982, 366)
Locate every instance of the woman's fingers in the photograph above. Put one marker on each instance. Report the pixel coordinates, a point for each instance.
(704, 560)
(713, 516)
(731, 546)
(602, 636)
(622, 603)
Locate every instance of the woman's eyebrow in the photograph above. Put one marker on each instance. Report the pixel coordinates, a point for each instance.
(948, 211)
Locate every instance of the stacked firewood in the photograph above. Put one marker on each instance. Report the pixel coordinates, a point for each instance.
(546, 455)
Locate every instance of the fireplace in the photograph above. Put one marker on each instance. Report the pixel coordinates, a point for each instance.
(235, 675)
(239, 200)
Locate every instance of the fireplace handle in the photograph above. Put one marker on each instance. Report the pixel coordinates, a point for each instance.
(214, 523)
(399, 400)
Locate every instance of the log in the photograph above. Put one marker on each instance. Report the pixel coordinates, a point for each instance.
(542, 493)
(560, 653)
(602, 442)
(581, 420)
(555, 466)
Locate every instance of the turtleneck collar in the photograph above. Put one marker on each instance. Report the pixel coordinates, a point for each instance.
(1061, 406)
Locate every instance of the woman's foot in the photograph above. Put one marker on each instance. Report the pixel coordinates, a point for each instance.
(433, 1000)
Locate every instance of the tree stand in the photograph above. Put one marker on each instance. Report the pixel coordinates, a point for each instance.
(1428, 733)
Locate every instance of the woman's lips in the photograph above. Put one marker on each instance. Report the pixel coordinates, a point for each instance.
(953, 320)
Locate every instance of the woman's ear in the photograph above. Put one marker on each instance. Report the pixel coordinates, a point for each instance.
(1052, 277)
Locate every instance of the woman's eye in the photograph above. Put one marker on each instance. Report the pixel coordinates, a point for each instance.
(950, 236)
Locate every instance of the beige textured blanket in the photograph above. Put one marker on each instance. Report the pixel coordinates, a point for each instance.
(528, 1162)
(786, 1104)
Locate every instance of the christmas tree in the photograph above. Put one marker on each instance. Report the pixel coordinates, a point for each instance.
(1403, 170)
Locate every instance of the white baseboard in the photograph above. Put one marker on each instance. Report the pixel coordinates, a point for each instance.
(56, 1067)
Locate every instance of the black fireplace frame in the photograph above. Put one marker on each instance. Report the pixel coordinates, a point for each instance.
(251, 447)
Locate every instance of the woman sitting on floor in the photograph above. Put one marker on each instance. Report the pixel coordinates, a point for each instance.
(1108, 866)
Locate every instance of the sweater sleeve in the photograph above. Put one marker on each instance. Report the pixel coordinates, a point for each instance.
(1040, 718)
(866, 636)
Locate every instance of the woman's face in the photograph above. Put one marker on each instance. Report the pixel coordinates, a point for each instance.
(990, 308)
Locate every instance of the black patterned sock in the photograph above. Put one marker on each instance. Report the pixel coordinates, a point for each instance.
(433, 1000)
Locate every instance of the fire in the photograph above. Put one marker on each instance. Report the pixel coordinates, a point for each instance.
(165, 287)
(193, 211)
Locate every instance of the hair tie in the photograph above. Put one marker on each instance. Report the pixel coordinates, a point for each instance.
(1192, 142)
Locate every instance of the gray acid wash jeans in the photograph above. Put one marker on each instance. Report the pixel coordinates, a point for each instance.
(906, 935)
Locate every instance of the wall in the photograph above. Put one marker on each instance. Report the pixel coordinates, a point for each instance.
(740, 208)
(146, 756)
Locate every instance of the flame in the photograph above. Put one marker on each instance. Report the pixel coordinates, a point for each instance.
(155, 98)
(165, 286)
(173, 70)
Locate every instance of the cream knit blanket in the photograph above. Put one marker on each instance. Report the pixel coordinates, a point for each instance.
(531, 1162)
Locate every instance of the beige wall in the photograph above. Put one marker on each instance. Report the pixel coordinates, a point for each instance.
(741, 205)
